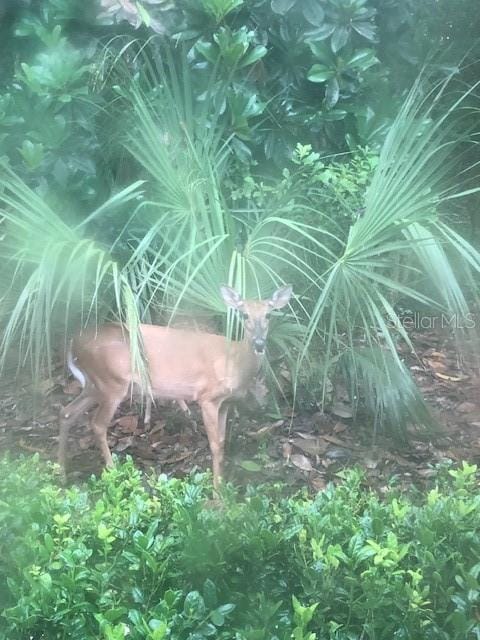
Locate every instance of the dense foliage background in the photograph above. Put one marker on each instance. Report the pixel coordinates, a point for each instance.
(331, 73)
(153, 149)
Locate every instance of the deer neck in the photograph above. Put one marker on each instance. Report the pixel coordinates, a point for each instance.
(249, 360)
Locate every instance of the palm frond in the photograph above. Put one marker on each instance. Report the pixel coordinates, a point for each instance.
(60, 277)
(385, 388)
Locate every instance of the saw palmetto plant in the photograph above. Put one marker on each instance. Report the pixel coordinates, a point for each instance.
(177, 239)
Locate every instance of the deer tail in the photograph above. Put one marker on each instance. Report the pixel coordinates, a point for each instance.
(75, 371)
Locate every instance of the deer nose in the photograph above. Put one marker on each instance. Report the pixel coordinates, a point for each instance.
(259, 345)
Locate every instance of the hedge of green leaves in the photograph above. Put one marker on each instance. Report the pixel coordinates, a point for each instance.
(127, 557)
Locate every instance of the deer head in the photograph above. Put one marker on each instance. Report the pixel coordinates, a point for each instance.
(256, 313)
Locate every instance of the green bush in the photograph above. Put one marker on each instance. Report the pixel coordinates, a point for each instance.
(327, 192)
(129, 557)
(48, 114)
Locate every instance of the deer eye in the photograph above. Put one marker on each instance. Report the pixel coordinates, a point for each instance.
(245, 316)
(268, 316)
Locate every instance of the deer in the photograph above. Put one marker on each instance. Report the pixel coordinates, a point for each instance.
(183, 365)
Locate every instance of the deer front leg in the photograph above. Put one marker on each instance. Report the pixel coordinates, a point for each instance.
(184, 407)
(214, 419)
(100, 423)
(147, 416)
(222, 428)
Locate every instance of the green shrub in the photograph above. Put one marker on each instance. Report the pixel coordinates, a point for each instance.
(325, 192)
(125, 556)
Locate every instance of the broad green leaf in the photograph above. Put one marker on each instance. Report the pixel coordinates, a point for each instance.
(217, 618)
(250, 465)
(313, 12)
(210, 594)
(227, 608)
(112, 615)
(194, 605)
(321, 32)
(334, 115)
(332, 93)
(320, 73)
(322, 52)
(253, 56)
(340, 38)
(208, 50)
(144, 15)
(365, 29)
(45, 580)
(282, 6)
(362, 59)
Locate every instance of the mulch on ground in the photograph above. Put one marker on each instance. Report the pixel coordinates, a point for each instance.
(300, 448)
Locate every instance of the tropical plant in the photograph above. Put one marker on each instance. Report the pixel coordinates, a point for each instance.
(337, 71)
(183, 238)
(48, 118)
(56, 272)
(261, 48)
(136, 13)
(400, 219)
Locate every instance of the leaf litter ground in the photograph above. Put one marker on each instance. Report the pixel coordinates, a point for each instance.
(303, 448)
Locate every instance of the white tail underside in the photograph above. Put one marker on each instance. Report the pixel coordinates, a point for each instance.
(75, 371)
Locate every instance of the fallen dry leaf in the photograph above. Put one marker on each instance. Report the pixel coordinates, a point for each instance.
(287, 450)
(314, 447)
(318, 483)
(72, 388)
(124, 443)
(127, 423)
(342, 410)
(158, 425)
(260, 433)
(467, 407)
(178, 458)
(301, 461)
(426, 472)
(45, 387)
(85, 442)
(436, 365)
(320, 419)
(334, 440)
(337, 453)
(442, 376)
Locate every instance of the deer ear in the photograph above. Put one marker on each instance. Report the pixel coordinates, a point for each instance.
(231, 297)
(281, 297)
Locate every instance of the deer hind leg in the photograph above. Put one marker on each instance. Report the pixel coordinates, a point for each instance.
(147, 416)
(214, 419)
(85, 401)
(101, 420)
